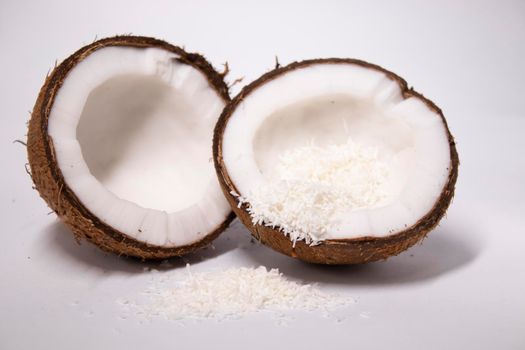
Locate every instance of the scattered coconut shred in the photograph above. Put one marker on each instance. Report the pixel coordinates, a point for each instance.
(227, 294)
(313, 185)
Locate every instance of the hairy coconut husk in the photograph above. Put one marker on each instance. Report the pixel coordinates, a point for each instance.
(335, 251)
(48, 178)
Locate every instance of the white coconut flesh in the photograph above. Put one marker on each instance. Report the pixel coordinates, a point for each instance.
(132, 131)
(323, 108)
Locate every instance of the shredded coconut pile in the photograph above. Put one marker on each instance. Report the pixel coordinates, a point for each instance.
(313, 185)
(231, 293)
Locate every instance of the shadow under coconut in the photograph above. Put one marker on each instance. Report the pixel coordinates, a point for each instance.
(63, 243)
(445, 250)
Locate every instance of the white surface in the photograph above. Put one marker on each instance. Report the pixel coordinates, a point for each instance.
(463, 288)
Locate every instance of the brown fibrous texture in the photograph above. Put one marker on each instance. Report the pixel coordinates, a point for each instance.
(335, 251)
(50, 182)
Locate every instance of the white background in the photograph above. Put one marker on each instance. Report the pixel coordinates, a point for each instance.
(464, 288)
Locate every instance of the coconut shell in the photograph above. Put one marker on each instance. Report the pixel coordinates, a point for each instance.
(335, 251)
(48, 178)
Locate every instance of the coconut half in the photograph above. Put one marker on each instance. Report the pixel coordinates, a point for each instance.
(119, 146)
(331, 101)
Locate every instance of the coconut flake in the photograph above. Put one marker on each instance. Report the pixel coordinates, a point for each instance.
(230, 293)
(313, 186)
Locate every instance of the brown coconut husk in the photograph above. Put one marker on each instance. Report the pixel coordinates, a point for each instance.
(335, 251)
(48, 178)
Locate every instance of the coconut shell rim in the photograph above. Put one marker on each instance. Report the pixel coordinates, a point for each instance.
(418, 230)
(119, 242)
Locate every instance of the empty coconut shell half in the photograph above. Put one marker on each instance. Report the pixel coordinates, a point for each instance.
(335, 161)
(120, 147)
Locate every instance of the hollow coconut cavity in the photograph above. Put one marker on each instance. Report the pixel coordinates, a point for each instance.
(335, 161)
(119, 146)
